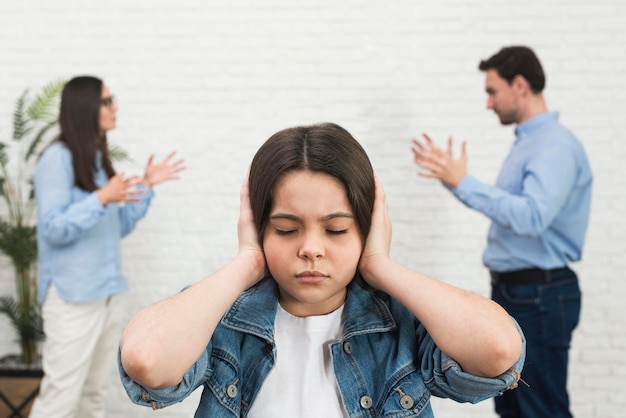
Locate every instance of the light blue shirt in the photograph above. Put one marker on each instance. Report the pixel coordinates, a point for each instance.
(540, 204)
(78, 239)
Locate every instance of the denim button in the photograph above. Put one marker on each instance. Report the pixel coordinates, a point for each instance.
(366, 402)
(406, 402)
(231, 391)
(347, 347)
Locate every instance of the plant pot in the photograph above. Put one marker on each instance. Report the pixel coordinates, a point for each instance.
(19, 385)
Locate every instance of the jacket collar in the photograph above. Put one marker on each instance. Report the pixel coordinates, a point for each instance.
(255, 310)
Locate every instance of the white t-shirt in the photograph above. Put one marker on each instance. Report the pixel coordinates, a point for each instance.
(302, 383)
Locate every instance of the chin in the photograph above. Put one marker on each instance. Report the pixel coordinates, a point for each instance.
(505, 120)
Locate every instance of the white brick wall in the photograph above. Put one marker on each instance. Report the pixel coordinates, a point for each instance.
(215, 79)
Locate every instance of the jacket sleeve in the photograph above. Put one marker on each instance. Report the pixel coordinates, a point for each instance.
(160, 398)
(444, 377)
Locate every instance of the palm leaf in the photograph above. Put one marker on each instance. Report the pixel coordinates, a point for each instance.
(34, 145)
(45, 105)
(117, 154)
(27, 321)
(4, 158)
(21, 125)
(19, 243)
(9, 306)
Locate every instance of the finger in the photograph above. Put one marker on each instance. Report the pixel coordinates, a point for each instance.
(449, 147)
(428, 153)
(416, 152)
(131, 196)
(244, 195)
(150, 159)
(432, 146)
(431, 167)
(421, 158)
(380, 194)
(439, 155)
(178, 162)
(134, 192)
(464, 150)
(427, 175)
(176, 168)
(418, 144)
(132, 181)
(169, 156)
(378, 187)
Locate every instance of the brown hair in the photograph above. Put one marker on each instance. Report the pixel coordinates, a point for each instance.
(80, 129)
(326, 148)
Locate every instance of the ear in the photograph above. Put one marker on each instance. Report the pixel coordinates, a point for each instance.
(520, 84)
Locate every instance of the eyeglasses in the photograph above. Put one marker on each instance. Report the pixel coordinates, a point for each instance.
(108, 101)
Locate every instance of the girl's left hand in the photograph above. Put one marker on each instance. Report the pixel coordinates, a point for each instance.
(378, 243)
(163, 171)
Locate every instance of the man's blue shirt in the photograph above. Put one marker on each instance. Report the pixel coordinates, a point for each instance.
(78, 239)
(540, 204)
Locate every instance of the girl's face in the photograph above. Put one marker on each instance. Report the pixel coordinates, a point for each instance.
(108, 109)
(311, 243)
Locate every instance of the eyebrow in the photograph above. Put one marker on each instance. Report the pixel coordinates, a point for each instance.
(323, 219)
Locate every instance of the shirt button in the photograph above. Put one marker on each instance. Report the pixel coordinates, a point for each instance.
(347, 347)
(407, 402)
(231, 391)
(366, 402)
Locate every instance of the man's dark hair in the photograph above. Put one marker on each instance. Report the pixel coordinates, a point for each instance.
(517, 60)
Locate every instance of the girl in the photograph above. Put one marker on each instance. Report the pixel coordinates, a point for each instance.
(80, 224)
(312, 318)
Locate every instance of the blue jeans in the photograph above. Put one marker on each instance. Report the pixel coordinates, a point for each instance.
(547, 312)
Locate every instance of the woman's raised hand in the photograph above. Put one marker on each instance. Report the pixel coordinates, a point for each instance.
(165, 170)
(119, 189)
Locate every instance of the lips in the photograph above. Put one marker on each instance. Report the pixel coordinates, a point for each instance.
(311, 277)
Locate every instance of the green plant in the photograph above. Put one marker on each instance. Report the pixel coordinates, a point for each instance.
(32, 121)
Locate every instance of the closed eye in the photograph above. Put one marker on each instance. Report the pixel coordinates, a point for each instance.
(285, 232)
(336, 232)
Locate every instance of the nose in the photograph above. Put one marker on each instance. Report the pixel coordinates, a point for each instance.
(489, 102)
(312, 247)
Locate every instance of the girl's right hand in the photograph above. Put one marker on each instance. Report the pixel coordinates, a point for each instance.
(249, 244)
(119, 189)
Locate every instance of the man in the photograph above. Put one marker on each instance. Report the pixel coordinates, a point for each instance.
(539, 210)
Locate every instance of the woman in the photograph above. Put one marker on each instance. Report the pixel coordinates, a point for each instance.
(84, 209)
(313, 318)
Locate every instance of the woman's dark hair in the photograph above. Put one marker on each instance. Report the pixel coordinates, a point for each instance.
(517, 60)
(80, 129)
(324, 148)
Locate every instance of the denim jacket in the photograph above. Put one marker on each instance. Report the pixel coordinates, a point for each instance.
(386, 364)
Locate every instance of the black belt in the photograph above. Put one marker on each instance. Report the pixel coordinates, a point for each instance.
(534, 275)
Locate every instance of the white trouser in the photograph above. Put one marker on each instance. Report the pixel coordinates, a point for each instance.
(79, 354)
